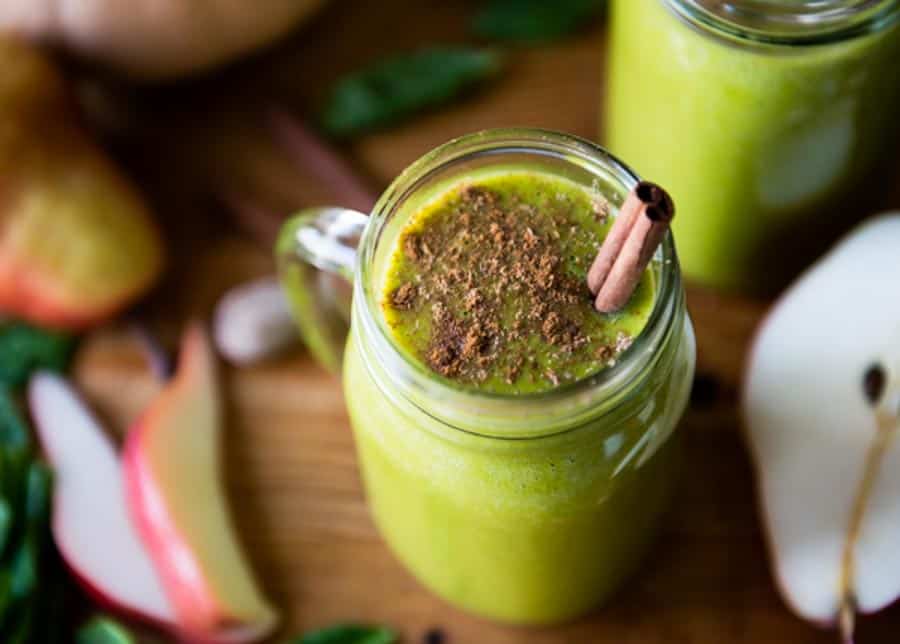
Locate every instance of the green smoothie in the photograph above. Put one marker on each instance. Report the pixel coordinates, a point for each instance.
(486, 285)
(768, 149)
(523, 531)
(517, 448)
(526, 531)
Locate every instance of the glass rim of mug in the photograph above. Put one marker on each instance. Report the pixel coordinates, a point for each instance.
(795, 24)
(528, 415)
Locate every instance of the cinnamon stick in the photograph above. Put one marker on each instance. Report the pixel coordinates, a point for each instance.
(643, 195)
(638, 230)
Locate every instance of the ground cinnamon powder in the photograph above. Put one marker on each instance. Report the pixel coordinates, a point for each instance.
(494, 276)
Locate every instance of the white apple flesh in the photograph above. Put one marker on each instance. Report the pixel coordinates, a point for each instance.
(172, 460)
(91, 524)
(827, 460)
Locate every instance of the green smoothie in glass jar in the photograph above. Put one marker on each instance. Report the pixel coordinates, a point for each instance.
(767, 120)
(517, 447)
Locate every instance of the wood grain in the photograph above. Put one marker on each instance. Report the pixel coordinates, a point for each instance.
(291, 465)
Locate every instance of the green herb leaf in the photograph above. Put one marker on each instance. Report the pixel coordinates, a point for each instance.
(37, 494)
(14, 464)
(533, 21)
(25, 348)
(398, 87)
(5, 595)
(20, 630)
(103, 630)
(13, 431)
(31, 591)
(349, 634)
(6, 524)
(23, 569)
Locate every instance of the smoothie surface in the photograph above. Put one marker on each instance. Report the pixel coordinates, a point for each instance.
(486, 285)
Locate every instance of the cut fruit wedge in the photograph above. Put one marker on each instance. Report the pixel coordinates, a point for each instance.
(821, 405)
(91, 523)
(77, 244)
(174, 478)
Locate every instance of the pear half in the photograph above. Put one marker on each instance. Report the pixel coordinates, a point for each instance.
(821, 405)
(77, 242)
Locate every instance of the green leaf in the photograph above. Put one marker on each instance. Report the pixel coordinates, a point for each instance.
(6, 524)
(14, 465)
(349, 634)
(534, 21)
(396, 88)
(25, 348)
(5, 595)
(20, 630)
(13, 430)
(37, 494)
(23, 569)
(103, 630)
(31, 590)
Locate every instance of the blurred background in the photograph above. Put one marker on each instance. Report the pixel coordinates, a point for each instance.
(223, 153)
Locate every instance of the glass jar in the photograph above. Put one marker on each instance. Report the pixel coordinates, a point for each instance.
(768, 121)
(529, 508)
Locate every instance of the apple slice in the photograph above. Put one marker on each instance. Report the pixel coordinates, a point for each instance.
(91, 524)
(172, 462)
(821, 405)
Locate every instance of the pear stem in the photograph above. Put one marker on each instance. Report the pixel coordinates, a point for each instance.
(887, 424)
(847, 620)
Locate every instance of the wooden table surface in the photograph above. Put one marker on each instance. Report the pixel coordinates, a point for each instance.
(290, 461)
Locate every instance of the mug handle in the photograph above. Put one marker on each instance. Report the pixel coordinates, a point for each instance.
(316, 256)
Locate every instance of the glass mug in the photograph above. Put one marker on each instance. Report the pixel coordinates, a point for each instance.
(769, 121)
(529, 508)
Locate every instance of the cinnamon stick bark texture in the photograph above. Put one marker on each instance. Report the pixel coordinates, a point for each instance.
(638, 230)
(636, 201)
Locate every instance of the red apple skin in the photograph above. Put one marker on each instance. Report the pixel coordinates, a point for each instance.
(199, 616)
(180, 570)
(109, 603)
